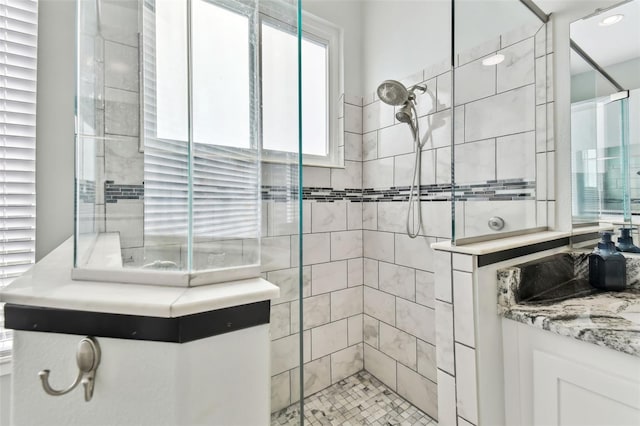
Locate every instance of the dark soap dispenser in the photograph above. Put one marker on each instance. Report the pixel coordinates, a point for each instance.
(625, 241)
(607, 267)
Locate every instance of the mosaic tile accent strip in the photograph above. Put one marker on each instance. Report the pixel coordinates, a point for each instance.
(357, 400)
(497, 190)
(114, 192)
(87, 191)
(494, 190)
(284, 193)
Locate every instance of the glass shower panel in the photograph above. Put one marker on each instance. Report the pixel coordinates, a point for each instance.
(280, 202)
(502, 97)
(599, 166)
(171, 185)
(633, 138)
(226, 154)
(90, 137)
(169, 172)
(584, 163)
(164, 138)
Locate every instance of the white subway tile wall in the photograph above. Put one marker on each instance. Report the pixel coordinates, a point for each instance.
(334, 272)
(444, 336)
(399, 292)
(466, 383)
(370, 294)
(446, 398)
(379, 300)
(118, 159)
(524, 150)
(463, 319)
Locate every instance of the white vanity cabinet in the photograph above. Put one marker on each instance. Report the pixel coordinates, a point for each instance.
(556, 380)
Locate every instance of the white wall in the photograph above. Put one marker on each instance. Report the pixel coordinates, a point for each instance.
(55, 124)
(402, 37)
(347, 14)
(386, 39)
(497, 17)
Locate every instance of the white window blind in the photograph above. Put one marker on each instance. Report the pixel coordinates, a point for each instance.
(225, 167)
(18, 47)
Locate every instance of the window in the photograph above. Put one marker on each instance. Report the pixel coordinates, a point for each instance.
(321, 89)
(227, 121)
(18, 47)
(200, 104)
(205, 84)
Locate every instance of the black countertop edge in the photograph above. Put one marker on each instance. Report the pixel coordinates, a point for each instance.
(137, 327)
(499, 256)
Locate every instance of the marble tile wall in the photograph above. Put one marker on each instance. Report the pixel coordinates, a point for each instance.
(522, 147)
(500, 135)
(332, 270)
(369, 292)
(118, 158)
(502, 131)
(399, 301)
(455, 339)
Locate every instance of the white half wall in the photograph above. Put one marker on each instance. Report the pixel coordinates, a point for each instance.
(5, 393)
(220, 380)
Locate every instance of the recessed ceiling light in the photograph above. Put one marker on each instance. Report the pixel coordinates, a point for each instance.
(610, 20)
(493, 60)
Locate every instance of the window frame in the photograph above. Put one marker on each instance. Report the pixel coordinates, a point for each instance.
(316, 30)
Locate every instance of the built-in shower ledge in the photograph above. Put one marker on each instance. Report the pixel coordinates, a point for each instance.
(558, 238)
(48, 284)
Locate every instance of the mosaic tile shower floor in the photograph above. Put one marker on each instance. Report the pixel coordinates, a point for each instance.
(357, 400)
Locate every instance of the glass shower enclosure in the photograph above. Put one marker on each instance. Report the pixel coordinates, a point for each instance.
(173, 100)
(602, 157)
(169, 177)
(503, 151)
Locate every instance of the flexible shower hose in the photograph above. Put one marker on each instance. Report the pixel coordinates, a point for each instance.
(416, 180)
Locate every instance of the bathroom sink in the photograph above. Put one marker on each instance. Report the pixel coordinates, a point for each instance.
(631, 313)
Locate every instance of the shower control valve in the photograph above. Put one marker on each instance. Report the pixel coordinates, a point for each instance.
(496, 223)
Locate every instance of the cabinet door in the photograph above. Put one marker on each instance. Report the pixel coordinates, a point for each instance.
(567, 392)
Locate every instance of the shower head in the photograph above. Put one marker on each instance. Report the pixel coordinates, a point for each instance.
(404, 114)
(393, 92)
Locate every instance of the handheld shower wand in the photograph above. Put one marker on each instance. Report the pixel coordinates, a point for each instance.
(394, 93)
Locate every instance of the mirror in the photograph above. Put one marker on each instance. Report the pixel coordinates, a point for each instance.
(605, 116)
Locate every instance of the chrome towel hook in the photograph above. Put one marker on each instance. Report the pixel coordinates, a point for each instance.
(88, 359)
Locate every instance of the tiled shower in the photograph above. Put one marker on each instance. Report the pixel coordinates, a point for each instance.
(368, 294)
(369, 288)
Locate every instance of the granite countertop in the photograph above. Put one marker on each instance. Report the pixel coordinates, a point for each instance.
(554, 294)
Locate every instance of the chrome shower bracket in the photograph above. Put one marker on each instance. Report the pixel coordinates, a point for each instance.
(88, 359)
(412, 89)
